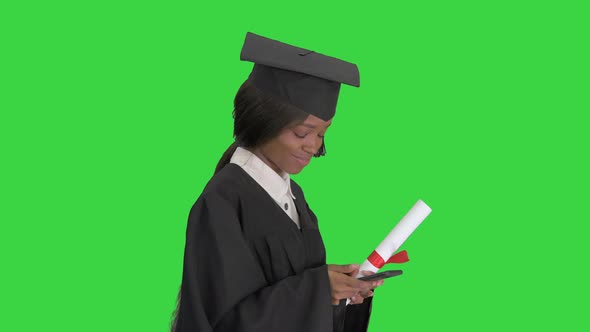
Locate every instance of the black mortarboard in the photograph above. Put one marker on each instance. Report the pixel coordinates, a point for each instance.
(306, 79)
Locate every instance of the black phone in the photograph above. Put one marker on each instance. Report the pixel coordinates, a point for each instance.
(381, 275)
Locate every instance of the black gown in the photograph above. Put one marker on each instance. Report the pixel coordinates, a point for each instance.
(247, 267)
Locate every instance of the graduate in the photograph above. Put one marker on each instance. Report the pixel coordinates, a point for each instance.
(254, 258)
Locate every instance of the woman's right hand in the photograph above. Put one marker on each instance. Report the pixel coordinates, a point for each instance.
(343, 283)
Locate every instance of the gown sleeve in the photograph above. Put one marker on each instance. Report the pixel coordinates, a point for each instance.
(353, 317)
(224, 287)
(349, 318)
(357, 316)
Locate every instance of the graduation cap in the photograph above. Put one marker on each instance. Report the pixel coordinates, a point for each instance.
(303, 78)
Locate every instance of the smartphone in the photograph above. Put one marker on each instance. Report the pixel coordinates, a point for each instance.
(381, 275)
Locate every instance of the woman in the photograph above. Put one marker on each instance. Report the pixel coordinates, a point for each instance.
(254, 258)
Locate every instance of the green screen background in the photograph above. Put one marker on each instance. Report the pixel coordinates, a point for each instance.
(114, 114)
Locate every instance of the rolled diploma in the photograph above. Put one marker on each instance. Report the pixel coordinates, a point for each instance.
(398, 235)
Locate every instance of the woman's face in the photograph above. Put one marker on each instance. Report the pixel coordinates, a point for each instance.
(294, 147)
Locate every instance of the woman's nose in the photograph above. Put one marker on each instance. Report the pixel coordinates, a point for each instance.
(313, 145)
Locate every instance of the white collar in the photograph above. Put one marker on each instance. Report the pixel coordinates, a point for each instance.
(275, 185)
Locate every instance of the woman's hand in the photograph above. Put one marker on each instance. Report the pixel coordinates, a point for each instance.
(358, 299)
(344, 284)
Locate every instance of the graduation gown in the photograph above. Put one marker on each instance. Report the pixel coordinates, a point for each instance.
(247, 267)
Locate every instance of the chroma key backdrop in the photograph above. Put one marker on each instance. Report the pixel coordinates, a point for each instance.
(113, 115)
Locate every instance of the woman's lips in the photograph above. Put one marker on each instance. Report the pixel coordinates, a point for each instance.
(302, 161)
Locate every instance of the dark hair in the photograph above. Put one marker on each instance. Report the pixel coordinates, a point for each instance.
(258, 118)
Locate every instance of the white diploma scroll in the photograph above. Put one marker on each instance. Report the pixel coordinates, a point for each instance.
(400, 233)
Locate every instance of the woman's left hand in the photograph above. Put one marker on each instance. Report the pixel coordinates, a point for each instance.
(358, 299)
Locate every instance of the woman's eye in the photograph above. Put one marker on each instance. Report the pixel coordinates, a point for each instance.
(299, 135)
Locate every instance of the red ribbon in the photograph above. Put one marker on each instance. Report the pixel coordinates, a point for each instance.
(398, 258)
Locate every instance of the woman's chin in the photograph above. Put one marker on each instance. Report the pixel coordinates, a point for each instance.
(295, 170)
